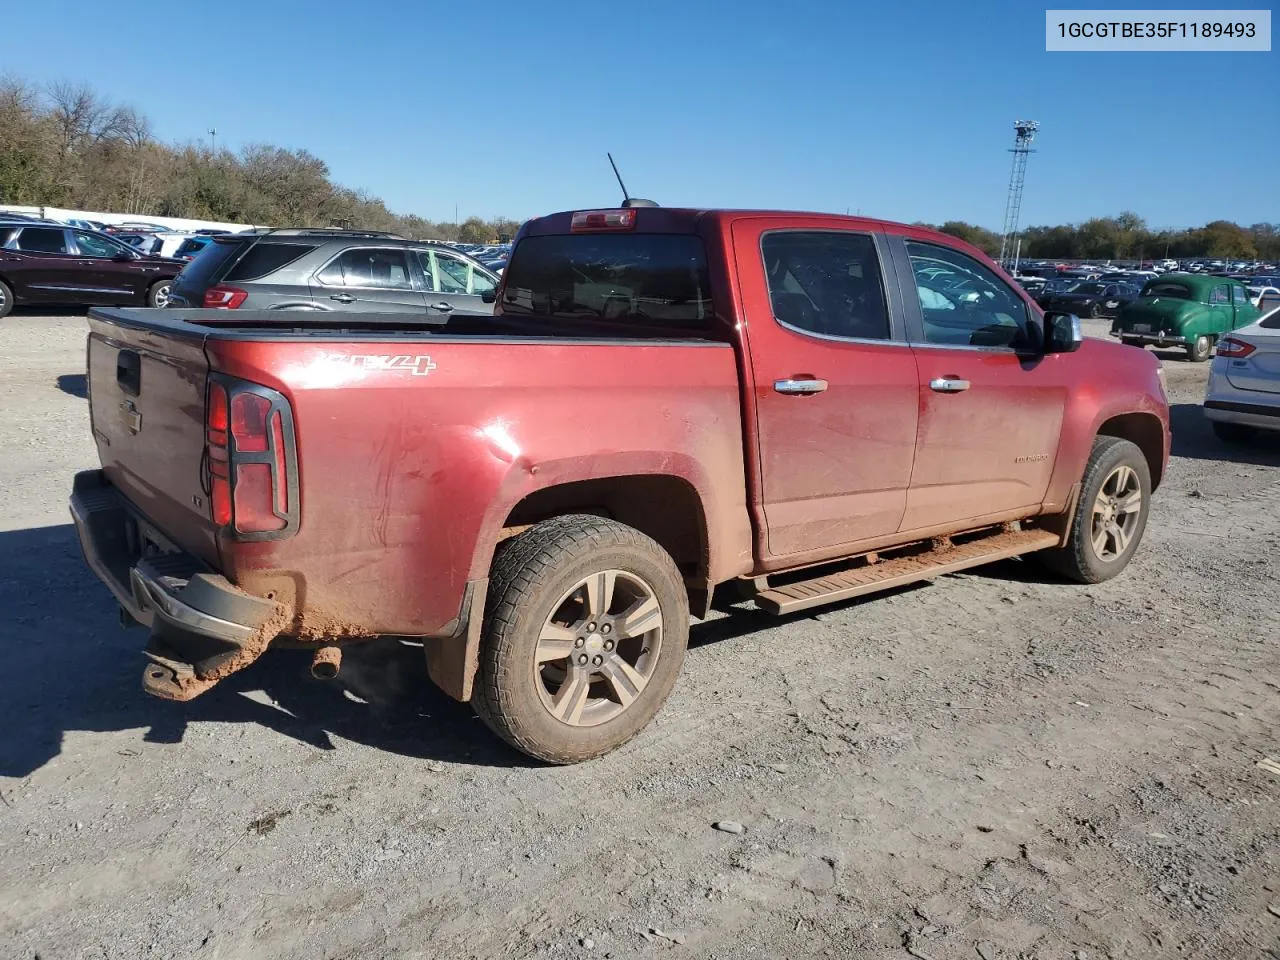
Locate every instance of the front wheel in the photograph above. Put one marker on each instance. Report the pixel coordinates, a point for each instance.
(584, 635)
(158, 295)
(1199, 349)
(1110, 517)
(6, 300)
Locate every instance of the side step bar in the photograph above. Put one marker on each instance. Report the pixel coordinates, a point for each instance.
(871, 577)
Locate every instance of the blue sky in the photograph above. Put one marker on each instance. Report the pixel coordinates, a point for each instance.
(506, 107)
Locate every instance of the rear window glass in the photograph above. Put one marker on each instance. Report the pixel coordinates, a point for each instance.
(264, 258)
(203, 271)
(1176, 290)
(646, 280)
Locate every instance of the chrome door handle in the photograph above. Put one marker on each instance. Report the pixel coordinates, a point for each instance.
(444, 305)
(342, 297)
(948, 385)
(799, 387)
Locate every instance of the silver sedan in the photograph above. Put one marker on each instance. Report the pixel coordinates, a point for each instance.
(1243, 395)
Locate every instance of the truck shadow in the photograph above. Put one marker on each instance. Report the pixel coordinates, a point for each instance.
(1193, 438)
(75, 384)
(66, 667)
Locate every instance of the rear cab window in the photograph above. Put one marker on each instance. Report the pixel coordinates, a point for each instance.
(826, 283)
(627, 283)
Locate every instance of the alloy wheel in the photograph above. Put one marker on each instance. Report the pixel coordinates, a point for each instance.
(1116, 512)
(599, 648)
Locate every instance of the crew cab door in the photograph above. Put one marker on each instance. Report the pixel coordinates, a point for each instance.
(990, 416)
(833, 386)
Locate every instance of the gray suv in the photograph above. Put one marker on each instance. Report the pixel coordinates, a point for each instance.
(351, 271)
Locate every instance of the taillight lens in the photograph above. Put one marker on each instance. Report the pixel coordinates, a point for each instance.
(1231, 347)
(224, 298)
(250, 457)
(586, 221)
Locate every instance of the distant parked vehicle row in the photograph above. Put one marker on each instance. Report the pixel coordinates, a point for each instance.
(317, 269)
(51, 263)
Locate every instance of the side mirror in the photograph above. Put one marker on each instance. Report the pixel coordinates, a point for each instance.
(1062, 333)
(124, 256)
(489, 296)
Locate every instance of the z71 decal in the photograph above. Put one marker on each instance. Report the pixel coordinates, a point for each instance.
(417, 366)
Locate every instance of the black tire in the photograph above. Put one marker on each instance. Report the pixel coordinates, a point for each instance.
(1234, 432)
(1199, 350)
(6, 300)
(1095, 311)
(1133, 342)
(526, 583)
(1078, 559)
(158, 293)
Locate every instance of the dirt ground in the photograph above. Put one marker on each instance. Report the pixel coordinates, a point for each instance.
(996, 765)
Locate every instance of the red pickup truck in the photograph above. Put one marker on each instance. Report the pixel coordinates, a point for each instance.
(798, 408)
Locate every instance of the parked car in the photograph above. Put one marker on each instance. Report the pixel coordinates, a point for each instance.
(664, 401)
(147, 243)
(86, 224)
(1264, 297)
(1243, 393)
(304, 269)
(136, 226)
(1190, 310)
(1090, 298)
(41, 263)
(191, 246)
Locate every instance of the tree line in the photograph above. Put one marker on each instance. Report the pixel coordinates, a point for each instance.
(1127, 237)
(66, 146)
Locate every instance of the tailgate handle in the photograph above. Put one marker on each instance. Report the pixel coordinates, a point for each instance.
(129, 372)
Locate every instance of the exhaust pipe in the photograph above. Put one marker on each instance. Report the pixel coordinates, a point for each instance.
(326, 663)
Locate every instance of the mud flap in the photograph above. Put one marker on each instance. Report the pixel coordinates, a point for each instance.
(452, 661)
(1060, 523)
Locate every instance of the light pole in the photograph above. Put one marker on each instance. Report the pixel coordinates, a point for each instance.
(213, 140)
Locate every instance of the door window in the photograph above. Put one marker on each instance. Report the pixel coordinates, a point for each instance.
(963, 302)
(826, 282)
(452, 275)
(42, 240)
(1241, 296)
(91, 245)
(1220, 294)
(374, 268)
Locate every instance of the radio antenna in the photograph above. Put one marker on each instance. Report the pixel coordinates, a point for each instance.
(626, 197)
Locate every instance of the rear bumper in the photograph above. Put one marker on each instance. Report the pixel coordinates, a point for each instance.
(1262, 416)
(202, 627)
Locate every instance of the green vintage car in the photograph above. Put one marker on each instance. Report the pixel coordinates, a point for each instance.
(1190, 310)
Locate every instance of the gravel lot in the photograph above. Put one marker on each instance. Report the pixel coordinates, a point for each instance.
(992, 766)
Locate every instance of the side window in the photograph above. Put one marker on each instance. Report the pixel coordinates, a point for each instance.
(481, 284)
(1220, 294)
(826, 282)
(379, 269)
(1240, 295)
(963, 302)
(91, 245)
(42, 240)
(451, 272)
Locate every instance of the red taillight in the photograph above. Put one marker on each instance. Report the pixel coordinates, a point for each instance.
(585, 221)
(224, 298)
(249, 453)
(1231, 347)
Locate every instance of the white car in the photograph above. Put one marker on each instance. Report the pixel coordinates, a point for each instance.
(1264, 297)
(1243, 395)
(170, 241)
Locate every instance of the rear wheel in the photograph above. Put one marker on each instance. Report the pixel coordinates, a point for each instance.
(1199, 349)
(585, 632)
(158, 295)
(6, 299)
(1234, 432)
(1110, 516)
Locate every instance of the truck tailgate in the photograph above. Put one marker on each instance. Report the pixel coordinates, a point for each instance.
(147, 403)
